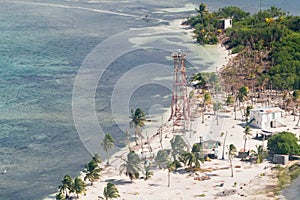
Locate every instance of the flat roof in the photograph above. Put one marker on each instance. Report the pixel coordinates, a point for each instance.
(267, 110)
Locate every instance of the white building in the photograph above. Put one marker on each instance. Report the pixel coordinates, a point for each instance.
(266, 118)
(227, 23)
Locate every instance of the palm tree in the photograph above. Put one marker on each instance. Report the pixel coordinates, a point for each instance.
(111, 191)
(247, 113)
(260, 153)
(171, 167)
(97, 158)
(148, 170)
(60, 196)
(242, 96)
(92, 171)
(137, 122)
(247, 135)
(67, 184)
(131, 166)
(79, 186)
(190, 158)
(231, 155)
(178, 145)
(162, 158)
(108, 144)
(206, 100)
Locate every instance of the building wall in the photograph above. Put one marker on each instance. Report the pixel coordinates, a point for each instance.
(263, 120)
(227, 23)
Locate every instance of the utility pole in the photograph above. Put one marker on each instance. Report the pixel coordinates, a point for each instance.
(223, 153)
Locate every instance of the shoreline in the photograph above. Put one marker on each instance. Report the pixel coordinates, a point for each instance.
(186, 185)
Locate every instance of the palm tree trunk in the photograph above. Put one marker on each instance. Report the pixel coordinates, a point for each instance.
(107, 158)
(231, 167)
(234, 112)
(135, 136)
(203, 115)
(223, 153)
(245, 146)
(169, 174)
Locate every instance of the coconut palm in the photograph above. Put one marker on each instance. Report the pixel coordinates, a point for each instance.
(131, 166)
(137, 122)
(231, 155)
(171, 167)
(97, 158)
(162, 158)
(111, 191)
(60, 196)
(247, 112)
(206, 100)
(247, 135)
(190, 158)
(260, 153)
(178, 146)
(66, 186)
(92, 171)
(79, 186)
(242, 96)
(108, 144)
(148, 170)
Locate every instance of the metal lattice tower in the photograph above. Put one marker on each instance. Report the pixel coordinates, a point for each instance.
(180, 103)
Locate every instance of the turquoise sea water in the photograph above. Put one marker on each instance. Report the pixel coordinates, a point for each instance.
(42, 46)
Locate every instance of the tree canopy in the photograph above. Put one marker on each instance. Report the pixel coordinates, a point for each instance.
(284, 143)
(269, 38)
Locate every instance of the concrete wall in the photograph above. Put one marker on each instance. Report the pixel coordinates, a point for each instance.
(280, 159)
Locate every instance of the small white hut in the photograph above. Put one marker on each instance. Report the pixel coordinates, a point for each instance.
(227, 23)
(266, 118)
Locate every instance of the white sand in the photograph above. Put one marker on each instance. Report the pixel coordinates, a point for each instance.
(247, 180)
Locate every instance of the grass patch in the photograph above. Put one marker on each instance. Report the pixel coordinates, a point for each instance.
(286, 176)
(200, 195)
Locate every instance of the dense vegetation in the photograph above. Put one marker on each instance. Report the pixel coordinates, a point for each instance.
(268, 42)
(284, 143)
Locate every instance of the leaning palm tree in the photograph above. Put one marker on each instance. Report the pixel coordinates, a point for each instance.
(178, 146)
(108, 144)
(231, 155)
(137, 122)
(131, 166)
(92, 171)
(66, 186)
(79, 186)
(247, 135)
(111, 191)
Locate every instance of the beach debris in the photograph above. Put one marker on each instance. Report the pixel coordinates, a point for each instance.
(202, 178)
(4, 171)
(226, 193)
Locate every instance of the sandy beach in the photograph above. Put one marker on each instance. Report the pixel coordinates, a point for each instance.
(250, 181)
